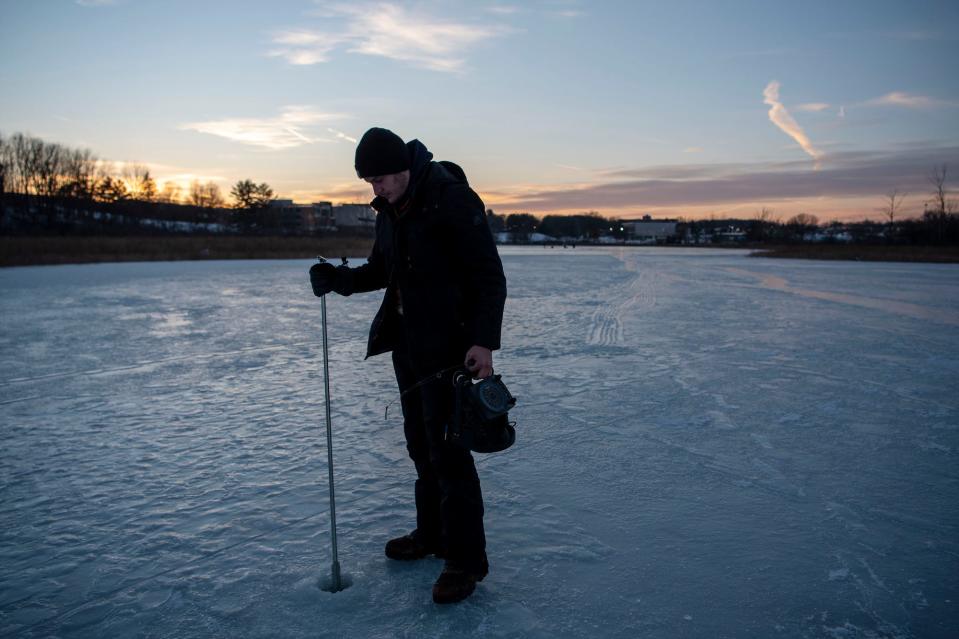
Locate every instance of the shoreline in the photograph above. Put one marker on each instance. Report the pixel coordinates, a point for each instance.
(862, 253)
(53, 250)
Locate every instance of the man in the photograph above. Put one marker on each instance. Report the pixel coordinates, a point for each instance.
(442, 310)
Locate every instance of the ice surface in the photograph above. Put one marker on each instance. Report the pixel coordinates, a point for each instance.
(709, 445)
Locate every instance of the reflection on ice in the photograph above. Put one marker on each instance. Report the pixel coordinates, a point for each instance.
(918, 311)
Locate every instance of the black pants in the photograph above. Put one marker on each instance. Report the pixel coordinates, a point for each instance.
(449, 502)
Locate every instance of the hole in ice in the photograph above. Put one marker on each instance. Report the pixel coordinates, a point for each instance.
(325, 583)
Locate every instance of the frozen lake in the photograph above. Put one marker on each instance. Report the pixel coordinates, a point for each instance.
(709, 445)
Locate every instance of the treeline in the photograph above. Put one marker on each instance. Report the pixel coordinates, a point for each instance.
(930, 229)
(31, 166)
(52, 188)
(937, 225)
(933, 227)
(587, 226)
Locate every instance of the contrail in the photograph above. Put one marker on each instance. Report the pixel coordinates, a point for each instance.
(297, 134)
(779, 116)
(342, 136)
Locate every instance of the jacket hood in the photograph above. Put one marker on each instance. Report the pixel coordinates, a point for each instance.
(420, 158)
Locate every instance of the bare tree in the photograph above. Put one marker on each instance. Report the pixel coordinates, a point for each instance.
(940, 207)
(803, 220)
(35, 167)
(938, 181)
(765, 216)
(893, 204)
(20, 163)
(4, 163)
(32, 159)
(759, 230)
(80, 174)
(205, 195)
(171, 193)
(142, 186)
(39, 165)
(50, 168)
(801, 224)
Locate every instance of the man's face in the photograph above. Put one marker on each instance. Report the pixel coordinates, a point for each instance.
(392, 186)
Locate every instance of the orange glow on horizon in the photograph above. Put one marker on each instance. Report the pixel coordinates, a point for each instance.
(827, 210)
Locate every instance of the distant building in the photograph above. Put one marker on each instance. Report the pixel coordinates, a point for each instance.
(304, 219)
(836, 233)
(649, 230)
(355, 216)
(323, 219)
(729, 235)
(319, 217)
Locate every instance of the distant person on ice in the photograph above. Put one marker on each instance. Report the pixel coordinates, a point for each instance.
(443, 307)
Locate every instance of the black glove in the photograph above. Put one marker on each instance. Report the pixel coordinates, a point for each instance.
(323, 278)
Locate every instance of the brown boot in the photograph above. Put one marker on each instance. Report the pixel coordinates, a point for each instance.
(455, 585)
(409, 547)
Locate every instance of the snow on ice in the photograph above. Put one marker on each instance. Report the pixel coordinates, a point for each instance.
(709, 445)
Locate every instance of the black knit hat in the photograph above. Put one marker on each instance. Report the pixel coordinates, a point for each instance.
(381, 152)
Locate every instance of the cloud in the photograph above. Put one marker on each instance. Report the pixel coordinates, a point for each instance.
(304, 47)
(564, 9)
(287, 130)
(693, 149)
(779, 116)
(503, 9)
(96, 3)
(387, 30)
(690, 171)
(850, 174)
(164, 173)
(354, 191)
(906, 100)
(814, 107)
(341, 136)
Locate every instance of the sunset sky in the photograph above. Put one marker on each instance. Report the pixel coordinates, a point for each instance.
(670, 109)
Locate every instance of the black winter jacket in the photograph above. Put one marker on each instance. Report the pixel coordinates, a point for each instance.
(437, 252)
